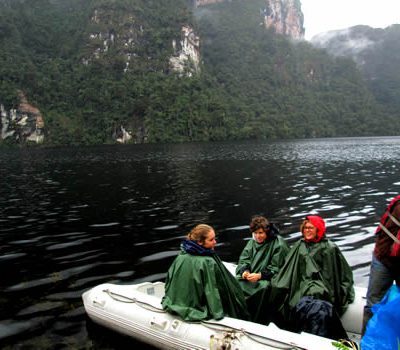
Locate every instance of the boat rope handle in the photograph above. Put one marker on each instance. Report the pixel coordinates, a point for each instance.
(209, 324)
(125, 299)
(273, 343)
(255, 337)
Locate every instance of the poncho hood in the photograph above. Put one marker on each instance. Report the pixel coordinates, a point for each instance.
(319, 223)
(193, 248)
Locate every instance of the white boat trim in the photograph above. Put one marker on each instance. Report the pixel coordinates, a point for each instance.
(135, 310)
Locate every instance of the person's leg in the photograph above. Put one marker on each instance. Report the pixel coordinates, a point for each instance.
(380, 280)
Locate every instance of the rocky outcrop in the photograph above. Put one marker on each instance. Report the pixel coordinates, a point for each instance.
(285, 17)
(122, 135)
(134, 132)
(120, 31)
(22, 124)
(186, 59)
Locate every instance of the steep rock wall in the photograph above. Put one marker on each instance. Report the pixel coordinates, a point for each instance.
(120, 31)
(186, 59)
(284, 16)
(22, 124)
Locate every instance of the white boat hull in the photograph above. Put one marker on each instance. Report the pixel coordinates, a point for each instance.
(136, 311)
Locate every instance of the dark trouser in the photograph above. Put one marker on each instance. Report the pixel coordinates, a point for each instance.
(380, 280)
(318, 317)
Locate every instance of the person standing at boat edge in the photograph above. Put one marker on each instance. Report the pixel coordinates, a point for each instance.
(259, 261)
(385, 264)
(198, 286)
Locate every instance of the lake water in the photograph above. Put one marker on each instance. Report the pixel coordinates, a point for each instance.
(72, 218)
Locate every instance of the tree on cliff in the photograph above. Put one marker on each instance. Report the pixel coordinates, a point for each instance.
(93, 66)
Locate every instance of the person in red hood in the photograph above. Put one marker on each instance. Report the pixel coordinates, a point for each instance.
(315, 284)
(313, 228)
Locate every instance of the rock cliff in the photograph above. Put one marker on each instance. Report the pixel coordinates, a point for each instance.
(22, 124)
(116, 30)
(284, 16)
(186, 59)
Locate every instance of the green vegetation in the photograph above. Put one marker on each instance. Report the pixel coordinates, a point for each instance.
(253, 83)
(344, 344)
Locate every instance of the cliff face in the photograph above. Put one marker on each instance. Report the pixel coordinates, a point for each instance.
(186, 59)
(22, 124)
(284, 16)
(112, 30)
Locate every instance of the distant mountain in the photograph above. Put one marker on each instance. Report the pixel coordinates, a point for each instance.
(377, 54)
(106, 71)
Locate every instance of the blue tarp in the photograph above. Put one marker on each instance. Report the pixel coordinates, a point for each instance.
(383, 329)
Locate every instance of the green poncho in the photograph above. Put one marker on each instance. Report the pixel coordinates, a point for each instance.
(314, 269)
(199, 287)
(266, 258)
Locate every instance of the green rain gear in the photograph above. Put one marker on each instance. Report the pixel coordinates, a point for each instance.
(266, 258)
(314, 269)
(199, 287)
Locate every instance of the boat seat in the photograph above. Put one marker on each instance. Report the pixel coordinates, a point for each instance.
(152, 288)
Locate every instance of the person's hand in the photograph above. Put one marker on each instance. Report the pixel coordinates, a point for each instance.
(254, 277)
(245, 275)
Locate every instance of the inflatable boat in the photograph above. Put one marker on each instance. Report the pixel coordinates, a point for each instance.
(135, 310)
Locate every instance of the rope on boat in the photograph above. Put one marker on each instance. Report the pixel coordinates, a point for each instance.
(255, 337)
(209, 324)
(125, 299)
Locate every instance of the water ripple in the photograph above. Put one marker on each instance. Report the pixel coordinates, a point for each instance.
(158, 256)
(52, 279)
(75, 217)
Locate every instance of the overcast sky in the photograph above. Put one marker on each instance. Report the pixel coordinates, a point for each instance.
(323, 15)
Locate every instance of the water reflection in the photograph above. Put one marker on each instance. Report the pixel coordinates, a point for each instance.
(73, 218)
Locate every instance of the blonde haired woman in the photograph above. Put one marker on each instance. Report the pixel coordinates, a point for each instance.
(198, 285)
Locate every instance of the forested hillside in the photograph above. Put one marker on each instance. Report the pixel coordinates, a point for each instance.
(252, 83)
(377, 53)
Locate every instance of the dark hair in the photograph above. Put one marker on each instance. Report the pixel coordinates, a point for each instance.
(199, 233)
(258, 222)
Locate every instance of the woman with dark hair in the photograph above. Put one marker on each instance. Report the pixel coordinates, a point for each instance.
(259, 261)
(198, 285)
(315, 285)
